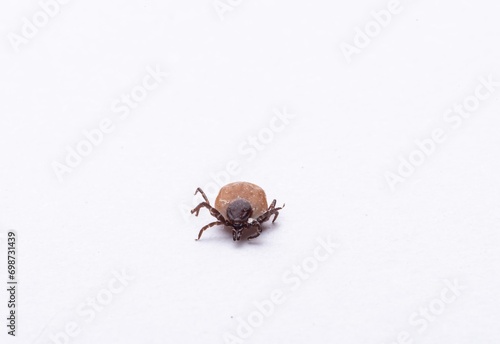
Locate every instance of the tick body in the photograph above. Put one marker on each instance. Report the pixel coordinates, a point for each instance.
(241, 206)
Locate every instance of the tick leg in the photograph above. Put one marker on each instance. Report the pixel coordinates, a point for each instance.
(277, 212)
(270, 211)
(264, 217)
(275, 216)
(259, 230)
(203, 194)
(214, 212)
(272, 205)
(207, 227)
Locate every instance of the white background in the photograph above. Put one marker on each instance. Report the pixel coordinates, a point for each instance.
(124, 206)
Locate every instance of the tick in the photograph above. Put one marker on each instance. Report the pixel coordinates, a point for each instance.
(243, 204)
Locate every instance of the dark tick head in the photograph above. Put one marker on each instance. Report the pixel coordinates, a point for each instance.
(239, 211)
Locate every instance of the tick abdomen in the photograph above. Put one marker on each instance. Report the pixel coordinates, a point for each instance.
(254, 194)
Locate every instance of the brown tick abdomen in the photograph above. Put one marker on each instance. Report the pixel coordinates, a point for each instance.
(251, 192)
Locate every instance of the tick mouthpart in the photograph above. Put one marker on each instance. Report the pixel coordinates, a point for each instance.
(238, 226)
(237, 235)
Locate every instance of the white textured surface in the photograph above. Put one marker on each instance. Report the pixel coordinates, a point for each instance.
(124, 206)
